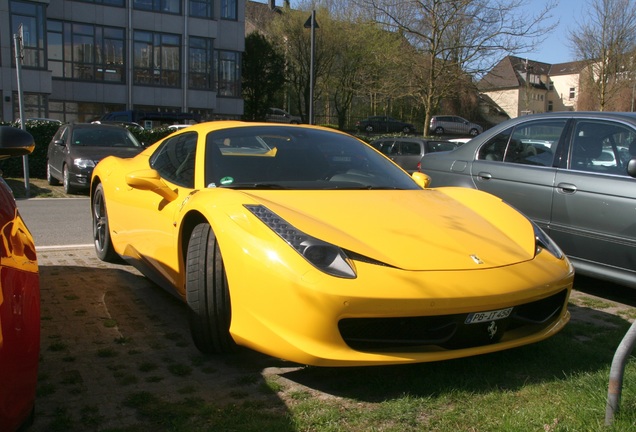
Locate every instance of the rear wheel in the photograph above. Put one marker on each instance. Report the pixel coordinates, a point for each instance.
(49, 177)
(101, 230)
(369, 128)
(474, 132)
(439, 131)
(207, 293)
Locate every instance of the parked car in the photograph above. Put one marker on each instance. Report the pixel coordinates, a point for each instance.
(556, 169)
(19, 299)
(278, 115)
(407, 152)
(384, 124)
(77, 147)
(132, 125)
(224, 209)
(441, 125)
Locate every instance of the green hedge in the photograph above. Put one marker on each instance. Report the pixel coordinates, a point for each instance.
(43, 132)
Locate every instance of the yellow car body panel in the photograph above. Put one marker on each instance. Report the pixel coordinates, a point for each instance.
(416, 253)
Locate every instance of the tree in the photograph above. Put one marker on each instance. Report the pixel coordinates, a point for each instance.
(456, 39)
(263, 75)
(606, 39)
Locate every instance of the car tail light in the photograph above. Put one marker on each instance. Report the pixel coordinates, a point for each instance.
(419, 166)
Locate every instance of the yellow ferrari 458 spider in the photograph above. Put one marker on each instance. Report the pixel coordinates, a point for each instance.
(307, 244)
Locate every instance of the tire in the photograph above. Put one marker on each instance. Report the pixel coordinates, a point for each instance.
(406, 130)
(49, 177)
(439, 130)
(473, 132)
(368, 128)
(66, 179)
(101, 229)
(207, 293)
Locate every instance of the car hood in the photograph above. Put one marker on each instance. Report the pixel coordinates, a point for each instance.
(99, 153)
(445, 229)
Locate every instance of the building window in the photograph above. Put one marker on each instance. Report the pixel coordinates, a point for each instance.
(202, 8)
(85, 52)
(550, 85)
(201, 61)
(228, 69)
(156, 59)
(119, 3)
(550, 106)
(164, 6)
(229, 9)
(31, 17)
(572, 92)
(34, 105)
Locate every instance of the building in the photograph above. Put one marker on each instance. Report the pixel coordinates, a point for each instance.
(518, 86)
(84, 58)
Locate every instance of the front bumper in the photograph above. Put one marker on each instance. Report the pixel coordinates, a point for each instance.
(391, 316)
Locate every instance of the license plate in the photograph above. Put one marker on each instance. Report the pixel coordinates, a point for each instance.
(479, 317)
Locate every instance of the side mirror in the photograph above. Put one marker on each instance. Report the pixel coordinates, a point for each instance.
(150, 180)
(59, 142)
(631, 167)
(421, 179)
(15, 142)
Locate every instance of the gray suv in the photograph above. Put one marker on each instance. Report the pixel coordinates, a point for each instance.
(407, 152)
(441, 125)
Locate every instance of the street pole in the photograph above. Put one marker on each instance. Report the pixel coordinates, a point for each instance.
(18, 41)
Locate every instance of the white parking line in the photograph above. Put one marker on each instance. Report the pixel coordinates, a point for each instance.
(63, 247)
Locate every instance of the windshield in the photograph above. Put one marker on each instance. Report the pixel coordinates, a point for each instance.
(102, 137)
(283, 157)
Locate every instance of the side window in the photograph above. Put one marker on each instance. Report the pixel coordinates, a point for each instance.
(604, 147)
(386, 147)
(411, 148)
(534, 143)
(175, 159)
(438, 146)
(495, 148)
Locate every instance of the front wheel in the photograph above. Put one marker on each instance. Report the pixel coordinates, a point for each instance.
(207, 293)
(101, 230)
(368, 128)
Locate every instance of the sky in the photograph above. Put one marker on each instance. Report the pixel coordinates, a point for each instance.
(555, 48)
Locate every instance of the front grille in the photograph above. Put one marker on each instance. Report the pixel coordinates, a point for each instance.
(415, 334)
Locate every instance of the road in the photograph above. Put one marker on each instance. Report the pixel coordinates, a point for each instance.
(56, 222)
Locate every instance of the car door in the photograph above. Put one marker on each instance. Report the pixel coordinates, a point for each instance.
(57, 152)
(151, 229)
(518, 166)
(593, 215)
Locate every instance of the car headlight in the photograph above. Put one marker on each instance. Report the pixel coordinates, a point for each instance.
(322, 255)
(84, 163)
(543, 241)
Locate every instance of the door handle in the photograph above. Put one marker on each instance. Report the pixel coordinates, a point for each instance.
(567, 188)
(484, 175)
